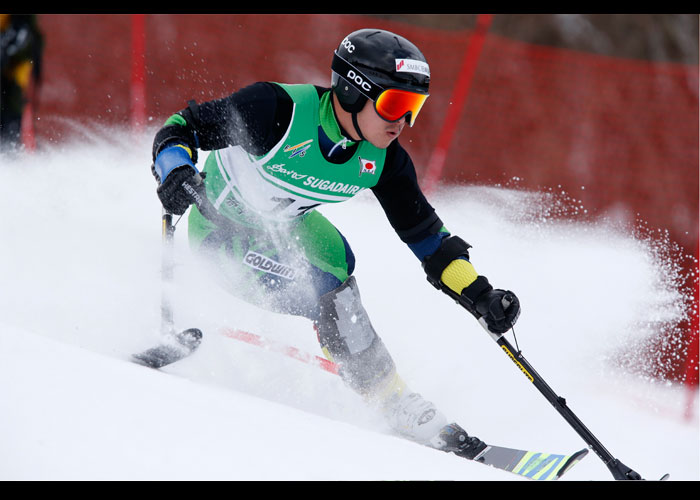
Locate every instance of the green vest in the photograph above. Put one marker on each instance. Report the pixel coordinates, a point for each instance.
(293, 177)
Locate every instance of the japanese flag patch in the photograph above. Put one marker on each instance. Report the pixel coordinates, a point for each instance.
(367, 166)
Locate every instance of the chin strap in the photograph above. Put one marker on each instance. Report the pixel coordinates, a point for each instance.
(357, 127)
(353, 110)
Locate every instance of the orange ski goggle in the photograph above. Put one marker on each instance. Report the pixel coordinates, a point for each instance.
(391, 104)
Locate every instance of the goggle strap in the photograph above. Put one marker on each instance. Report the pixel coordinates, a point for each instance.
(356, 78)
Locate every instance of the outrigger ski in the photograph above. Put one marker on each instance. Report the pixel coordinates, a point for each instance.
(175, 347)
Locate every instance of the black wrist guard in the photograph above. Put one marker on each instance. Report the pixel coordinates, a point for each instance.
(471, 294)
(451, 248)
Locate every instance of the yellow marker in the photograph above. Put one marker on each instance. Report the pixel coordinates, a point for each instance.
(522, 368)
(22, 74)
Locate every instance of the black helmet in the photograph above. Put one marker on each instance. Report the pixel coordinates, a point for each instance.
(369, 61)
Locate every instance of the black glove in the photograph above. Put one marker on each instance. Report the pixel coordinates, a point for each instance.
(172, 194)
(499, 309)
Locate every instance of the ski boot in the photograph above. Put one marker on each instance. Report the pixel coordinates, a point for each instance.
(452, 438)
(413, 417)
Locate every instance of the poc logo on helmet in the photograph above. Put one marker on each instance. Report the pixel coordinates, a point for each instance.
(358, 80)
(348, 45)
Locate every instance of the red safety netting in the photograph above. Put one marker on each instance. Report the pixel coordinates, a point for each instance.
(620, 135)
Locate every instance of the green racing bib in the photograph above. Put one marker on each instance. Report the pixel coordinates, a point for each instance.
(293, 177)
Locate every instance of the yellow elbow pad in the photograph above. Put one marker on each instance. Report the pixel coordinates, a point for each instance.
(458, 275)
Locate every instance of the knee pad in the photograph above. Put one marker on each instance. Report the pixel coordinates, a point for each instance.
(347, 338)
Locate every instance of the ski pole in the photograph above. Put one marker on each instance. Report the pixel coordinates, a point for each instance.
(617, 468)
(166, 312)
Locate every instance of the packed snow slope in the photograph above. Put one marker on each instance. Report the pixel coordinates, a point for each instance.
(80, 291)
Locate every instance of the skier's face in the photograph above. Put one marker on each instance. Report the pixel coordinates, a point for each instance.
(377, 130)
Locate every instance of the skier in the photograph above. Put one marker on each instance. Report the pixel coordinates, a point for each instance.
(22, 45)
(278, 151)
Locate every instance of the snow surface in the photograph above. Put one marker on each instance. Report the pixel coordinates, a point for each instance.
(79, 268)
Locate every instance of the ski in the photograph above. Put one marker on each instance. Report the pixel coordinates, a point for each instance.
(280, 348)
(529, 464)
(533, 465)
(174, 347)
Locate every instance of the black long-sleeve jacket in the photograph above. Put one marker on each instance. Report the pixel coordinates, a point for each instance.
(256, 118)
